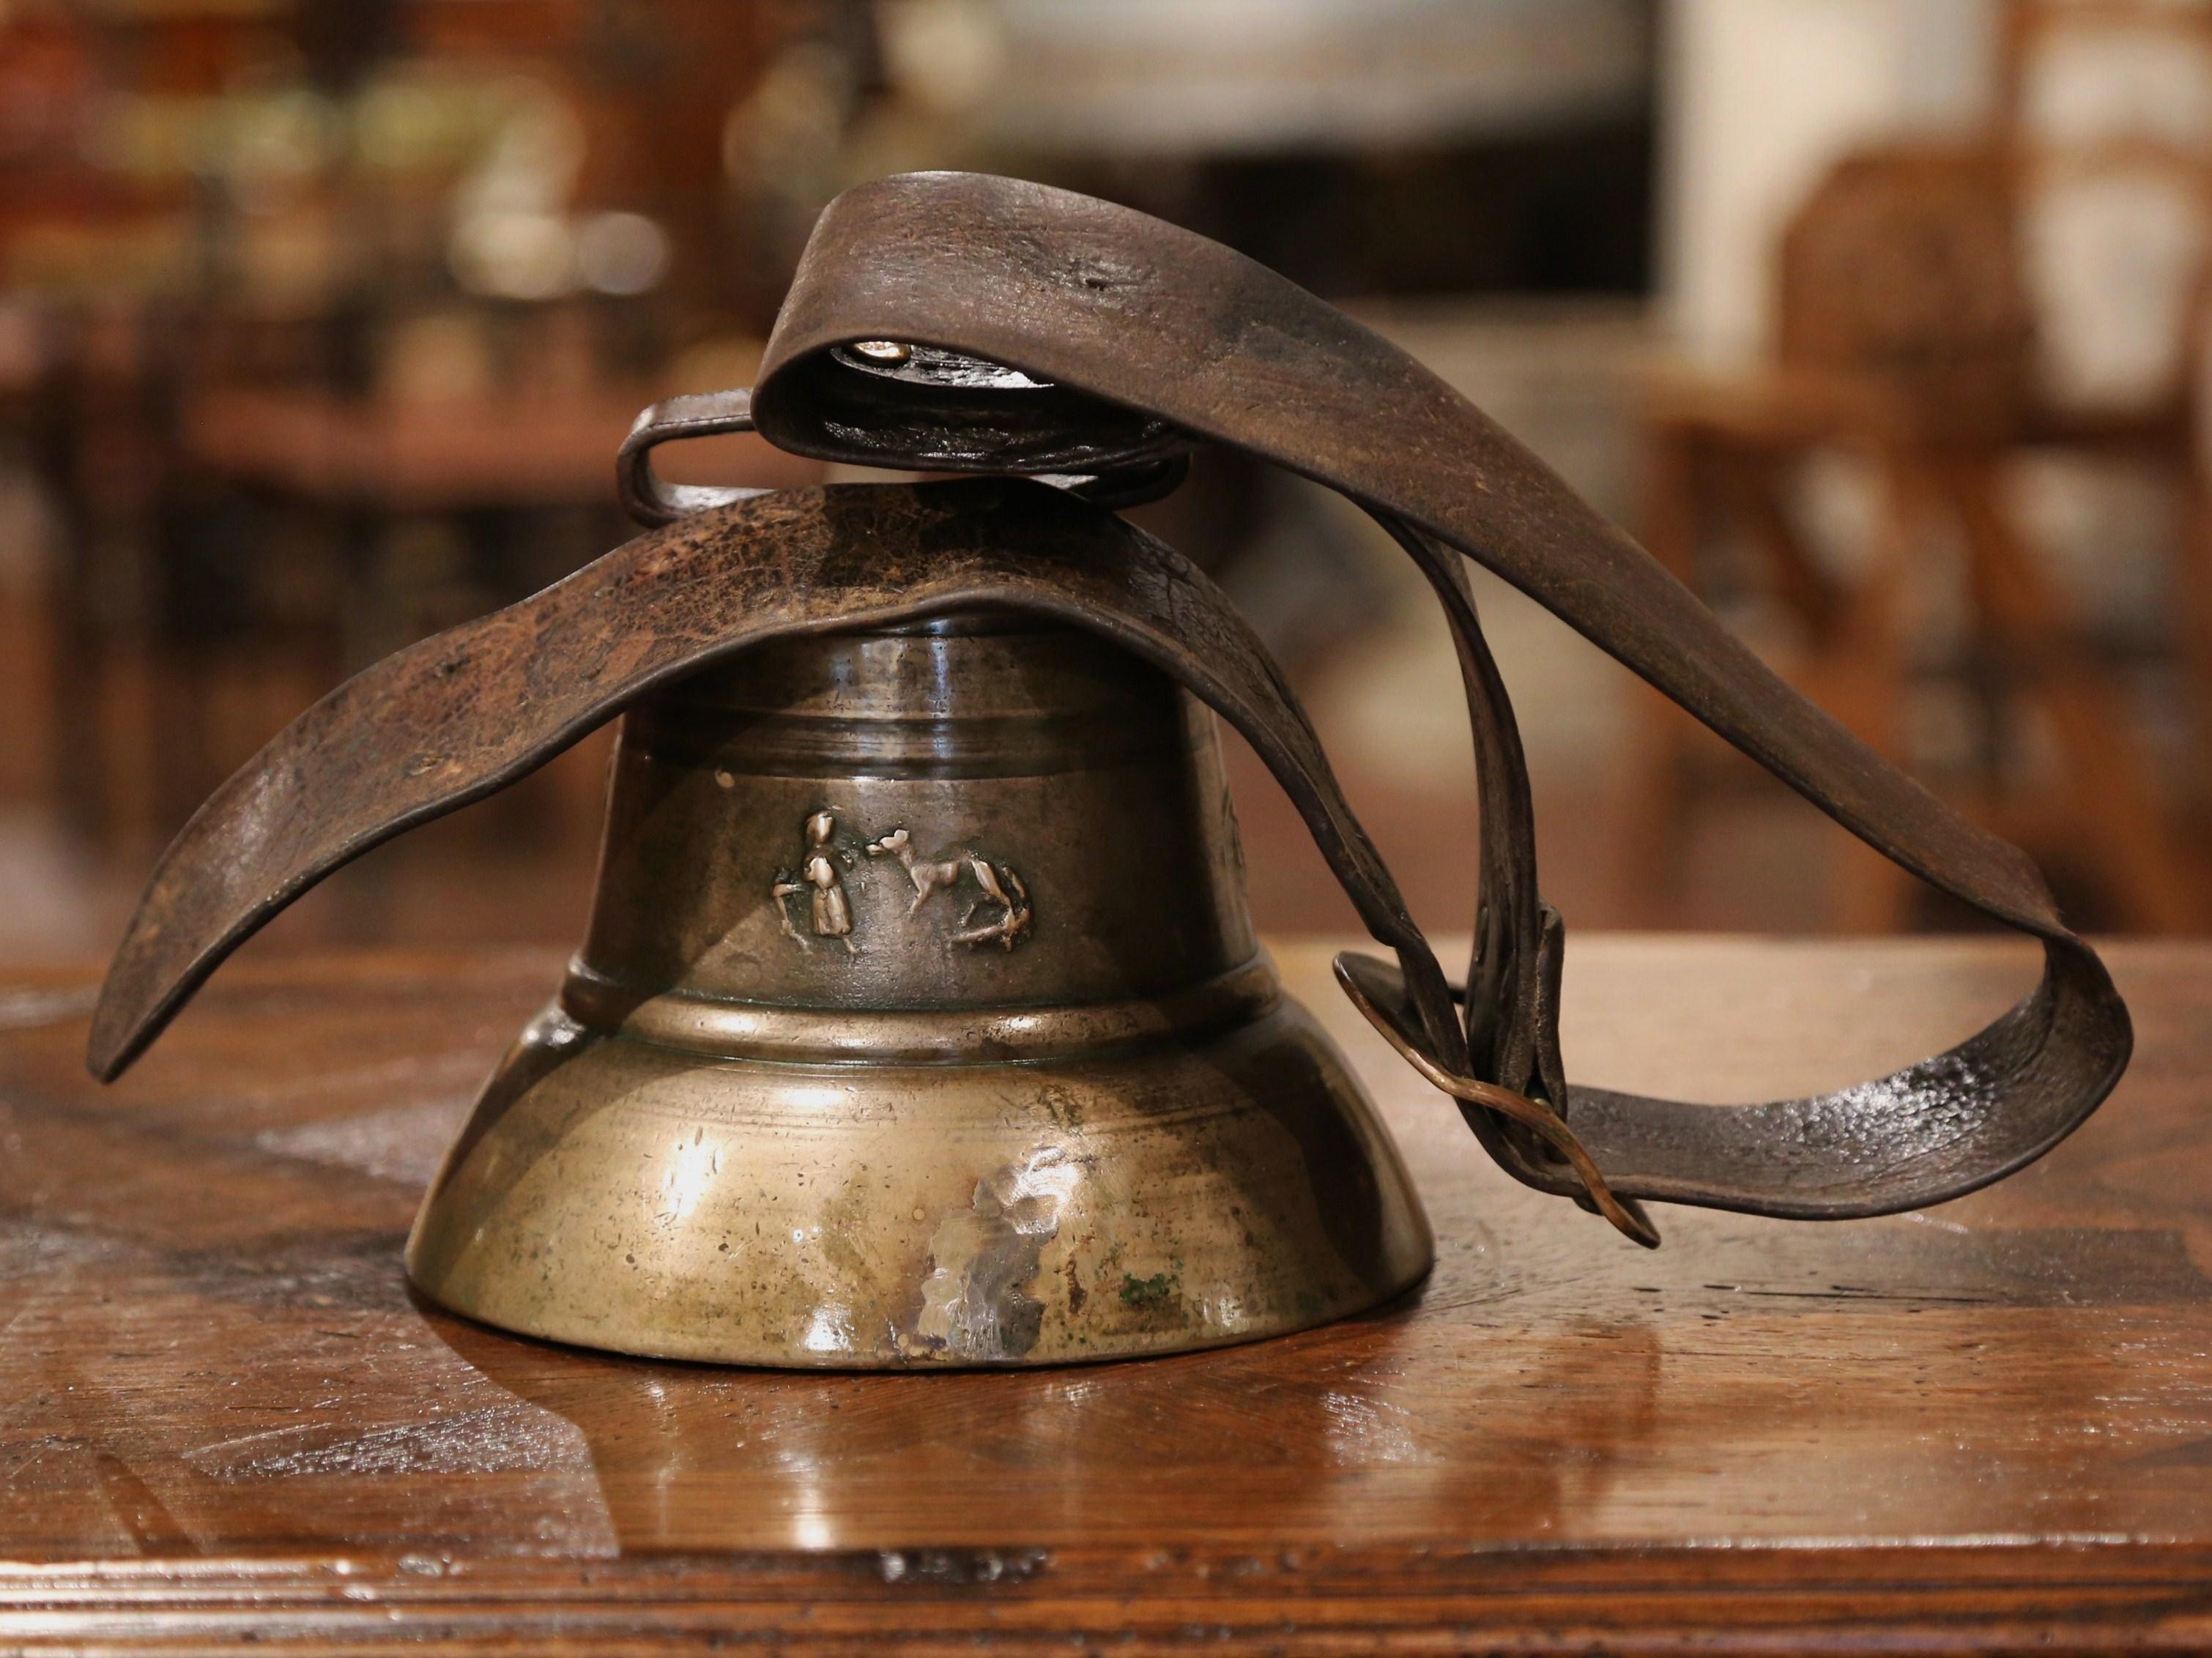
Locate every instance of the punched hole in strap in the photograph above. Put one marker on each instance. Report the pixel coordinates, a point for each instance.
(1376, 989)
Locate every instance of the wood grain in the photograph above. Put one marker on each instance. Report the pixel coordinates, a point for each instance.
(1986, 1427)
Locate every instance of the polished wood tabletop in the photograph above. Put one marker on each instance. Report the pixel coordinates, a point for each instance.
(1985, 1427)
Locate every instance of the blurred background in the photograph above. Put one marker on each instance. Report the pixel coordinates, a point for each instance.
(1882, 322)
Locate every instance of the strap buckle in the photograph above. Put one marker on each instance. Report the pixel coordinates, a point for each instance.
(1369, 983)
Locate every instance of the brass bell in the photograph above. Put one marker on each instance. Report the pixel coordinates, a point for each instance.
(920, 1022)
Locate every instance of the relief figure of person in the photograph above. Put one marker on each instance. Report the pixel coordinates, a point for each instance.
(820, 880)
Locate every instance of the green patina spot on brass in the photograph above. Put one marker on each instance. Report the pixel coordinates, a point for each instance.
(1146, 1292)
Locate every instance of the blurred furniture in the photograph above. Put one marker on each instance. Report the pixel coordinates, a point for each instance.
(1980, 1430)
(1906, 335)
(499, 472)
(370, 464)
(266, 193)
(26, 641)
(319, 446)
(231, 557)
(2106, 112)
(129, 708)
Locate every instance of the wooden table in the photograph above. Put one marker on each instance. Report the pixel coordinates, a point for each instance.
(1988, 1427)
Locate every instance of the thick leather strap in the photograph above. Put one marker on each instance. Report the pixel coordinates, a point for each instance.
(1165, 333)
(459, 716)
(956, 323)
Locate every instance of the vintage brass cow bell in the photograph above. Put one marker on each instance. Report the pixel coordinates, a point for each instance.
(920, 1021)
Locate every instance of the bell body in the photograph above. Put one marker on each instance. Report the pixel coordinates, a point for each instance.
(920, 1022)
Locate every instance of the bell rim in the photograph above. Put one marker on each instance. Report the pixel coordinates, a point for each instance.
(728, 1028)
(1380, 1301)
(1212, 1197)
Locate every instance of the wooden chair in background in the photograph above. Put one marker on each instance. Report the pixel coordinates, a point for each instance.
(2106, 112)
(1906, 335)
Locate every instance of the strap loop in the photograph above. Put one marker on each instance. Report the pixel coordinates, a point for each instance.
(644, 495)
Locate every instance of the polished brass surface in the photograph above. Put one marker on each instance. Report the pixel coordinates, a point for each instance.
(920, 1022)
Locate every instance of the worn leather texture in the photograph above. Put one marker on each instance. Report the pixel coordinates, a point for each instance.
(1047, 334)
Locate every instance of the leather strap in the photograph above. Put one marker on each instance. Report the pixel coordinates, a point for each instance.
(460, 715)
(1165, 332)
(957, 323)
